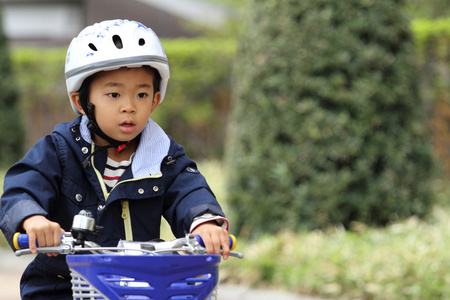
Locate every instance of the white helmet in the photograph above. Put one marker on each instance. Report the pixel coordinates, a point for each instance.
(110, 45)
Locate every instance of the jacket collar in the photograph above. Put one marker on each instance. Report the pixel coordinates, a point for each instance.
(152, 148)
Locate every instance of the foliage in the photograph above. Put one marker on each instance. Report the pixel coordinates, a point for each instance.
(43, 97)
(198, 97)
(40, 78)
(328, 129)
(229, 3)
(12, 133)
(193, 112)
(428, 9)
(407, 260)
(432, 35)
(432, 39)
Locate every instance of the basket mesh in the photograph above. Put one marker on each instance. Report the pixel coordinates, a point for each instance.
(82, 289)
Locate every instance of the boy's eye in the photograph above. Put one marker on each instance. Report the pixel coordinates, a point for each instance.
(114, 95)
(142, 95)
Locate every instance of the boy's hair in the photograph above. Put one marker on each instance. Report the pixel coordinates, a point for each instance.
(156, 78)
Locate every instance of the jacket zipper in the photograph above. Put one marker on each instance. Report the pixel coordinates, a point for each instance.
(125, 204)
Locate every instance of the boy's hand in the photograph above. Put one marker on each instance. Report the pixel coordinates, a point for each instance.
(46, 232)
(214, 237)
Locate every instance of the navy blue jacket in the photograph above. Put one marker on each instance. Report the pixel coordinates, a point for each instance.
(51, 181)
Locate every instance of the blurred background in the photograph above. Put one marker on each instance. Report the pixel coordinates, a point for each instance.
(323, 127)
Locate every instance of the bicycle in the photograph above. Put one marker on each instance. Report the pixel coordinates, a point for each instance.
(168, 270)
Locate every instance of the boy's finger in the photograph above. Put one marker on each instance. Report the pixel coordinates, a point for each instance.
(56, 238)
(208, 244)
(32, 242)
(49, 239)
(225, 247)
(216, 244)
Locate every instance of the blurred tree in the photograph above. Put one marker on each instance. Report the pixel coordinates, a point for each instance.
(11, 128)
(327, 126)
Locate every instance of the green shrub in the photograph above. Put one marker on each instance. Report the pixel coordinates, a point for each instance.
(198, 96)
(43, 97)
(11, 127)
(406, 260)
(327, 126)
(432, 36)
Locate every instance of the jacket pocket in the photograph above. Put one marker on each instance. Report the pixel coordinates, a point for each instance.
(77, 194)
(74, 197)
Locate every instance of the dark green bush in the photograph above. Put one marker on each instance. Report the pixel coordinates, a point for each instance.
(327, 126)
(11, 127)
(194, 111)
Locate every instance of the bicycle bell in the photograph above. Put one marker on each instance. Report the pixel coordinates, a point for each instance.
(83, 224)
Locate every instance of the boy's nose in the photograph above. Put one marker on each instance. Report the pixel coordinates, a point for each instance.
(128, 106)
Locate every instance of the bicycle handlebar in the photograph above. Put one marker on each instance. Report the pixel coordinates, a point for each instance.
(21, 241)
(84, 225)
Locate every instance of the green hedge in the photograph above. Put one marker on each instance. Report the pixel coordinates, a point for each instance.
(193, 112)
(11, 127)
(432, 35)
(198, 96)
(330, 128)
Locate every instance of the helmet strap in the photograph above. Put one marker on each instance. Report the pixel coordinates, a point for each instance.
(93, 127)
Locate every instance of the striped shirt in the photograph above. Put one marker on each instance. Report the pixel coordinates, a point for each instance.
(114, 170)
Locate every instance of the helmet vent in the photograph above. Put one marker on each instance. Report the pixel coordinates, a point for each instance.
(141, 42)
(92, 46)
(117, 41)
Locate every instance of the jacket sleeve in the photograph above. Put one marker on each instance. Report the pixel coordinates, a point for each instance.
(188, 196)
(30, 186)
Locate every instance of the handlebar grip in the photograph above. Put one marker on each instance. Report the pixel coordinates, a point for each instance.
(21, 241)
(231, 237)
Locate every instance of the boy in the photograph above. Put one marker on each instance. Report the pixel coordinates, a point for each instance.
(112, 160)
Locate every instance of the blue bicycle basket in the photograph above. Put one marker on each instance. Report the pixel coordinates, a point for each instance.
(160, 277)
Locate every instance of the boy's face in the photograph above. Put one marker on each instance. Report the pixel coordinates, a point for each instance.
(124, 100)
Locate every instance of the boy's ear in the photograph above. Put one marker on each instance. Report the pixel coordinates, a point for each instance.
(156, 101)
(75, 97)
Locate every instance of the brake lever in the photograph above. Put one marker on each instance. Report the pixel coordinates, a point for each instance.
(61, 249)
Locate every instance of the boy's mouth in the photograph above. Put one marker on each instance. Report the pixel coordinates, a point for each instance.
(127, 126)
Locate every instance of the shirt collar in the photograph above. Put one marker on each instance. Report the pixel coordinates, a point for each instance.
(153, 147)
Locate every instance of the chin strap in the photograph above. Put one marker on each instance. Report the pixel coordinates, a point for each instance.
(87, 163)
(95, 129)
